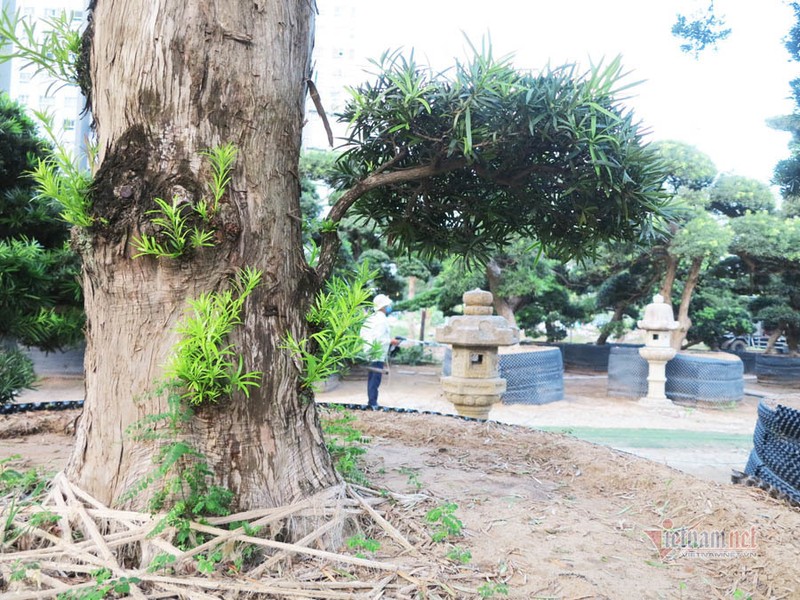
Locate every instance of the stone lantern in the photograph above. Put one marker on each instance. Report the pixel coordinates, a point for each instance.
(658, 325)
(474, 383)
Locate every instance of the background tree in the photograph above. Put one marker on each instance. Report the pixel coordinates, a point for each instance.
(700, 31)
(767, 244)
(720, 308)
(40, 295)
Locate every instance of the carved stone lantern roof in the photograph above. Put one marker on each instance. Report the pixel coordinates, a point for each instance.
(658, 316)
(478, 327)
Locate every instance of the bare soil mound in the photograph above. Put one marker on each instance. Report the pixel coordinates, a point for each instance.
(556, 517)
(547, 515)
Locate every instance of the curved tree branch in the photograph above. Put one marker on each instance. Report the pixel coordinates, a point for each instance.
(330, 238)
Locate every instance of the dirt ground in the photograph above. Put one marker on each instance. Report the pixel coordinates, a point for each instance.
(547, 514)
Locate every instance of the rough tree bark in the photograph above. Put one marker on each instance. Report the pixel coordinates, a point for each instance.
(170, 79)
(619, 312)
(504, 307)
(684, 322)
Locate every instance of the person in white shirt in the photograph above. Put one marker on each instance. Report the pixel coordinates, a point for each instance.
(375, 332)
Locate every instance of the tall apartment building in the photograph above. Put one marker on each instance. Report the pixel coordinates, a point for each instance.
(336, 64)
(38, 91)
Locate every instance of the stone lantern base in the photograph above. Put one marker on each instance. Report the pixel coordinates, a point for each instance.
(473, 397)
(657, 359)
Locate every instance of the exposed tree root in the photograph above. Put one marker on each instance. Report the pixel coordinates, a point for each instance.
(49, 560)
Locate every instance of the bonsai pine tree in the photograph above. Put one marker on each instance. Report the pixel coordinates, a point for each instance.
(40, 295)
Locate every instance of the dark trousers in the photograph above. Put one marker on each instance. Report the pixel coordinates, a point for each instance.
(374, 382)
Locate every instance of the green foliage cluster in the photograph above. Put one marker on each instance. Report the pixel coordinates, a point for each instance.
(176, 233)
(174, 229)
(41, 302)
(18, 490)
(60, 178)
(490, 588)
(16, 374)
(53, 51)
(700, 31)
(182, 472)
(335, 319)
(716, 311)
(105, 586)
(40, 295)
(360, 542)
(204, 362)
(345, 443)
(686, 166)
(20, 144)
(444, 521)
(552, 157)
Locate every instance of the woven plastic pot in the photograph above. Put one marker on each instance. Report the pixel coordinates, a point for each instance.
(627, 372)
(713, 379)
(775, 457)
(778, 369)
(535, 376)
(748, 360)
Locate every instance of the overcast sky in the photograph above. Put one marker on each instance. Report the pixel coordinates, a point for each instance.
(718, 103)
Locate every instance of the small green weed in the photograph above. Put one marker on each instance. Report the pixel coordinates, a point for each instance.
(206, 563)
(459, 555)
(359, 543)
(490, 589)
(445, 521)
(413, 477)
(182, 472)
(344, 443)
(162, 560)
(30, 483)
(17, 490)
(105, 587)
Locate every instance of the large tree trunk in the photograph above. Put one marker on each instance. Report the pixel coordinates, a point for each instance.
(503, 307)
(619, 312)
(670, 273)
(684, 322)
(171, 78)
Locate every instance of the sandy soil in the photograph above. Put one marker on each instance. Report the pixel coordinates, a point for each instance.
(549, 515)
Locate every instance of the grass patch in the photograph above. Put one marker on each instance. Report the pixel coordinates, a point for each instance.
(654, 438)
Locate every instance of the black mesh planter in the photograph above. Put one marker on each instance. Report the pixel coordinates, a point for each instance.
(748, 360)
(775, 458)
(533, 377)
(627, 372)
(777, 369)
(587, 357)
(713, 379)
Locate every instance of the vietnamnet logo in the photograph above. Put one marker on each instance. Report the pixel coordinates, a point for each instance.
(690, 542)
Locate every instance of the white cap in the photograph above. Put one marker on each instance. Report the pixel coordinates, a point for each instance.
(380, 301)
